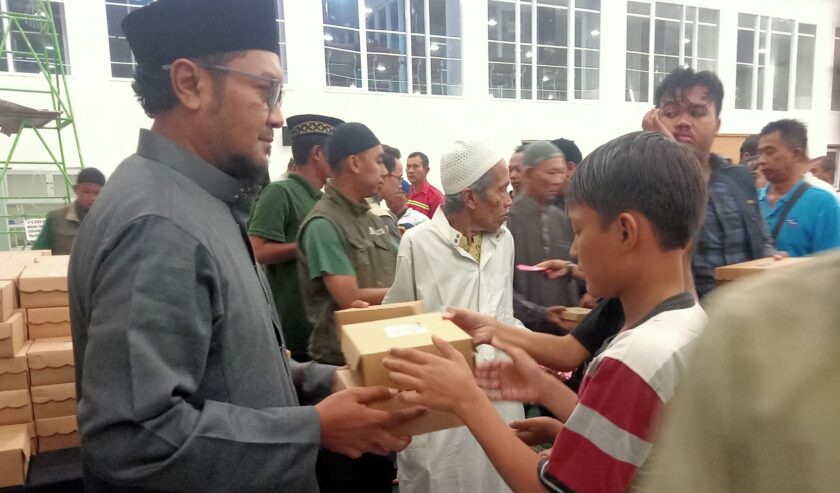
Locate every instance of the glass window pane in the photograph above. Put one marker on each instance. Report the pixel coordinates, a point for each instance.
(501, 21)
(552, 26)
(445, 47)
(638, 8)
(386, 15)
(662, 66)
(688, 42)
(551, 83)
(418, 76)
(343, 68)
(502, 52)
(746, 46)
(525, 24)
(762, 24)
(835, 86)
(744, 87)
(782, 25)
(386, 43)
(120, 51)
(588, 59)
(710, 65)
(525, 82)
(804, 72)
(780, 59)
(808, 29)
(709, 16)
(747, 21)
(446, 77)
(588, 4)
(387, 73)
(38, 37)
(558, 3)
(551, 56)
(445, 17)
(759, 96)
(691, 14)
(637, 62)
(417, 17)
(344, 39)
(502, 80)
(341, 13)
(122, 70)
(667, 37)
(638, 34)
(587, 29)
(586, 83)
(707, 41)
(669, 10)
(418, 46)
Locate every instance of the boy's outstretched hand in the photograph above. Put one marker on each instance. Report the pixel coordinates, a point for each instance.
(520, 379)
(442, 383)
(479, 326)
(536, 431)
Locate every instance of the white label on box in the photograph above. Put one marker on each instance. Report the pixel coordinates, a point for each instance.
(405, 330)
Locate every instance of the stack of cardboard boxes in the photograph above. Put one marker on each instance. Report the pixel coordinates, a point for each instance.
(37, 374)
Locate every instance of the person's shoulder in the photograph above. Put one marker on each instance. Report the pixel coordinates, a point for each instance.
(434, 190)
(822, 197)
(663, 335)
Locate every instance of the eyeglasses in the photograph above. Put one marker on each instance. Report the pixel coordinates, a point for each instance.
(273, 93)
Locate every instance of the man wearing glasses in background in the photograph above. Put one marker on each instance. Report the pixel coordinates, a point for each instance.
(182, 377)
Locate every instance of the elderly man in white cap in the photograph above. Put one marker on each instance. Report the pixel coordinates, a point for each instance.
(462, 258)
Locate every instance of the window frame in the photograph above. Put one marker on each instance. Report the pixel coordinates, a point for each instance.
(571, 47)
(834, 104)
(409, 57)
(10, 57)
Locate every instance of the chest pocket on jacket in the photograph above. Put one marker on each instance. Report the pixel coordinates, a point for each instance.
(374, 261)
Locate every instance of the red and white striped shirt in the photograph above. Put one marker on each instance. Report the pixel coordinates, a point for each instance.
(610, 433)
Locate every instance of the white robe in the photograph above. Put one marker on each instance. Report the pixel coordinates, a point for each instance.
(433, 268)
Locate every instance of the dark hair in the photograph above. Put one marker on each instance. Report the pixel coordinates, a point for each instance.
(90, 175)
(794, 133)
(391, 151)
(388, 158)
(153, 87)
(302, 146)
(518, 149)
(750, 145)
(648, 173)
(827, 164)
(569, 149)
(422, 157)
(681, 79)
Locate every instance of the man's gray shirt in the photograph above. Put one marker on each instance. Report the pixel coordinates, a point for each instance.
(540, 233)
(182, 379)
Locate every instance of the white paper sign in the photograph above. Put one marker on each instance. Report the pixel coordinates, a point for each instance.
(405, 330)
(33, 228)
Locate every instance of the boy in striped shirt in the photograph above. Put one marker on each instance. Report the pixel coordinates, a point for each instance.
(635, 203)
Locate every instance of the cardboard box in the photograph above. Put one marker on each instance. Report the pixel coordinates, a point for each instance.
(10, 270)
(729, 273)
(8, 299)
(572, 316)
(426, 423)
(15, 407)
(54, 401)
(44, 323)
(377, 312)
(43, 283)
(366, 344)
(51, 361)
(12, 334)
(57, 433)
(14, 374)
(15, 450)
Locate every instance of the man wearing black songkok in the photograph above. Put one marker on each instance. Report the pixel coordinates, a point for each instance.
(182, 376)
(345, 253)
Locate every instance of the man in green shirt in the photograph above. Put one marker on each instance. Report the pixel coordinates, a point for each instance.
(61, 225)
(276, 217)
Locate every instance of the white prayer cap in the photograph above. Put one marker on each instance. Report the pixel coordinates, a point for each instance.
(464, 163)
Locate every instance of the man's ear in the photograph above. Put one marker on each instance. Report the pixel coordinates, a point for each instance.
(190, 83)
(627, 225)
(470, 198)
(352, 164)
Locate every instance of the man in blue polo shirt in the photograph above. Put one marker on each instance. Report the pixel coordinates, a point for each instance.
(802, 219)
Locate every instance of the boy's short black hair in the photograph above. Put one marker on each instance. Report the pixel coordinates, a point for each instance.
(648, 173)
(424, 158)
(681, 79)
(90, 175)
(302, 146)
(391, 151)
(794, 133)
(389, 158)
(750, 145)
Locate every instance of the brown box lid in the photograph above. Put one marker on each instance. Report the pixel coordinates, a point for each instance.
(15, 450)
(12, 334)
(426, 423)
(366, 344)
(377, 312)
(8, 299)
(45, 275)
(14, 399)
(737, 271)
(17, 364)
(48, 427)
(10, 269)
(56, 315)
(53, 393)
(55, 352)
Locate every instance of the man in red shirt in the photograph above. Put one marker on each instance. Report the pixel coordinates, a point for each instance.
(423, 197)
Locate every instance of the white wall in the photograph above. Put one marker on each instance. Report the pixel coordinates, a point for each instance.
(108, 116)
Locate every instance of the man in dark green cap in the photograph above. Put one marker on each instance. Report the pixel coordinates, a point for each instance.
(276, 218)
(182, 377)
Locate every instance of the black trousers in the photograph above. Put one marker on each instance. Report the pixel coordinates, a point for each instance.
(369, 473)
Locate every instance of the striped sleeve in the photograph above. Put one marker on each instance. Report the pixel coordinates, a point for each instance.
(609, 434)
